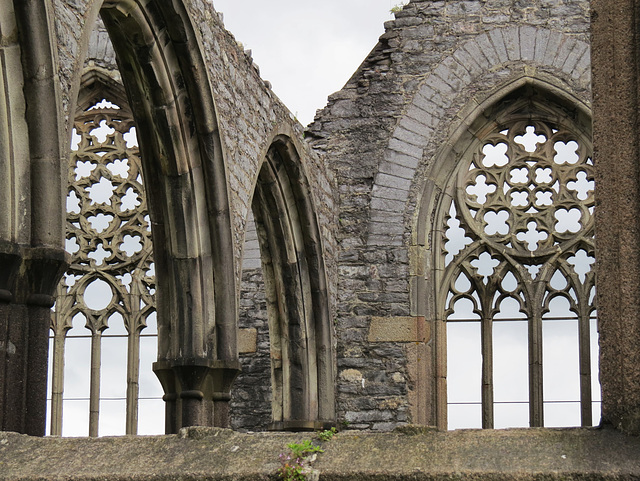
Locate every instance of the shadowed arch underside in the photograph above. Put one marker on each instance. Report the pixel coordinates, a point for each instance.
(295, 284)
(163, 72)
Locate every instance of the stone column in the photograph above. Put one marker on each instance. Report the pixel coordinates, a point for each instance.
(28, 279)
(197, 391)
(615, 66)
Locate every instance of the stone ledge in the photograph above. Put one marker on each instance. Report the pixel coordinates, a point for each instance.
(415, 453)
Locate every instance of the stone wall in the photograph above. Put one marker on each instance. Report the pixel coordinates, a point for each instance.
(251, 401)
(434, 65)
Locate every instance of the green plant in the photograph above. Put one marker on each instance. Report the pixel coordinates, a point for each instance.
(292, 469)
(301, 450)
(327, 434)
(397, 8)
(293, 464)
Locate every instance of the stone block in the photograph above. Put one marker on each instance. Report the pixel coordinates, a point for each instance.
(527, 42)
(498, 43)
(542, 40)
(574, 56)
(485, 45)
(351, 375)
(247, 340)
(405, 148)
(387, 180)
(397, 329)
(446, 75)
(392, 225)
(466, 59)
(409, 137)
(553, 44)
(459, 70)
(389, 206)
(404, 160)
(511, 38)
(583, 64)
(563, 52)
(397, 170)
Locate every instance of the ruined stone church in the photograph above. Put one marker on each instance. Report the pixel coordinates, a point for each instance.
(421, 258)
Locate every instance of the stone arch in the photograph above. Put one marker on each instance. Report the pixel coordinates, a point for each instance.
(93, 86)
(165, 78)
(505, 53)
(295, 283)
(564, 108)
(31, 226)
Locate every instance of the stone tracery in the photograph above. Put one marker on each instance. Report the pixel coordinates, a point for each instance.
(111, 277)
(518, 234)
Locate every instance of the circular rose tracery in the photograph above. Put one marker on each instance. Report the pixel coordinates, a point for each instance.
(528, 190)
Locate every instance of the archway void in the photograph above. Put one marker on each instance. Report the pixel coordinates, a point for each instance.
(296, 295)
(104, 339)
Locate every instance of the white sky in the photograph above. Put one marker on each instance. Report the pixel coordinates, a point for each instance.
(306, 49)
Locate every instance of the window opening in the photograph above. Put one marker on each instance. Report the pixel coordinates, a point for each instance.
(517, 280)
(104, 335)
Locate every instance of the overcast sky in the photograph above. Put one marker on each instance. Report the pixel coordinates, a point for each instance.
(306, 49)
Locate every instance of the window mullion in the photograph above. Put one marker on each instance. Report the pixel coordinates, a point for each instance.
(487, 372)
(536, 397)
(584, 346)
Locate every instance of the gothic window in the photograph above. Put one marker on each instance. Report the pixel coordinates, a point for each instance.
(103, 322)
(515, 284)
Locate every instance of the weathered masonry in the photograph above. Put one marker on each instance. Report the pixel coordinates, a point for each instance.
(456, 147)
(422, 254)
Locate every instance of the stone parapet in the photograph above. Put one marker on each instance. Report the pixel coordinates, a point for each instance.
(415, 453)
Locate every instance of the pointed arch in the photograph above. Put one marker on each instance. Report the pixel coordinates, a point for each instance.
(419, 132)
(295, 284)
(109, 242)
(164, 74)
(552, 117)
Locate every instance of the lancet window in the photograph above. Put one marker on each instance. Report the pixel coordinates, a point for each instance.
(103, 324)
(514, 275)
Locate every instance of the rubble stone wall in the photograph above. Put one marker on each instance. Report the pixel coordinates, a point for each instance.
(432, 68)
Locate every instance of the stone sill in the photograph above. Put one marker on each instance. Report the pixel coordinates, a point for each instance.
(414, 453)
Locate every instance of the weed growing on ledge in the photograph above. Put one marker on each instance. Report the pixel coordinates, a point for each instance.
(303, 449)
(327, 434)
(292, 469)
(398, 7)
(293, 464)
